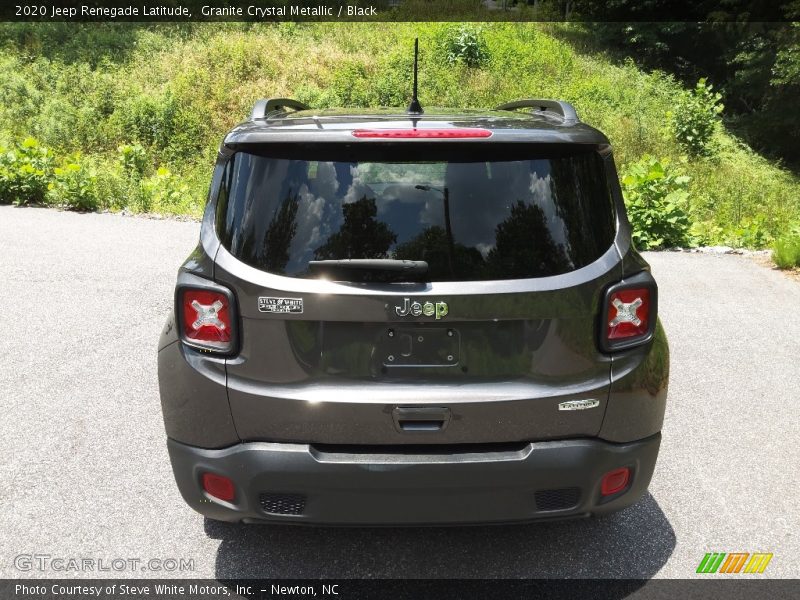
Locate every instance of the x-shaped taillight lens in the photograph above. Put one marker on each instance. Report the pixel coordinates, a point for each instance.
(206, 319)
(628, 316)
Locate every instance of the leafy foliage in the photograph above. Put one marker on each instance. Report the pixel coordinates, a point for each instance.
(33, 174)
(74, 185)
(695, 118)
(704, 233)
(656, 199)
(134, 98)
(133, 159)
(25, 171)
(786, 250)
(162, 190)
(756, 63)
(751, 232)
(465, 44)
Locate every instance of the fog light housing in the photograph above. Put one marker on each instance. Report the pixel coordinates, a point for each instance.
(615, 481)
(219, 487)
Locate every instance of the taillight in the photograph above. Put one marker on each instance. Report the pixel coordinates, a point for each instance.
(455, 133)
(206, 319)
(628, 316)
(628, 313)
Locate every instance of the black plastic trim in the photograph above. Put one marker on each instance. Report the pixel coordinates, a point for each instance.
(423, 489)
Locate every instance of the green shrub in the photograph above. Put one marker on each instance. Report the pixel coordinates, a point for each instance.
(162, 123)
(750, 232)
(164, 193)
(786, 250)
(391, 82)
(349, 87)
(25, 172)
(695, 119)
(175, 90)
(74, 186)
(116, 189)
(656, 200)
(704, 233)
(133, 160)
(465, 44)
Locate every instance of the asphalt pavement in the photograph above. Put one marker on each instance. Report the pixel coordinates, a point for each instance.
(84, 471)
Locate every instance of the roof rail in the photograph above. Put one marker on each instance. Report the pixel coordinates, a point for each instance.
(563, 109)
(264, 107)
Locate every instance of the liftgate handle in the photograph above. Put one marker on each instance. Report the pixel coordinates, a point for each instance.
(421, 419)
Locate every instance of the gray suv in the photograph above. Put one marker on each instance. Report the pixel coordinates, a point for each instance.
(398, 317)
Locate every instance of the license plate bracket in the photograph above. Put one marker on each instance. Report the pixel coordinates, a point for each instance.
(420, 347)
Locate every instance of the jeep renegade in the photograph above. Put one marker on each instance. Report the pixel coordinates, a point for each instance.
(408, 317)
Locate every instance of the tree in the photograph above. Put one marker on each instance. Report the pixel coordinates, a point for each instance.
(524, 246)
(280, 234)
(360, 236)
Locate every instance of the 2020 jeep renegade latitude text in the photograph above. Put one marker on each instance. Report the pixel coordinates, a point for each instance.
(398, 318)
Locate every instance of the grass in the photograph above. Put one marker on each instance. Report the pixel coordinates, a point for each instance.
(786, 252)
(176, 90)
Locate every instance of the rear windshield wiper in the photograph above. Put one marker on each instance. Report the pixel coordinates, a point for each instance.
(388, 266)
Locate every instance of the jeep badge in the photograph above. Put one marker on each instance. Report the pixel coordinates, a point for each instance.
(415, 309)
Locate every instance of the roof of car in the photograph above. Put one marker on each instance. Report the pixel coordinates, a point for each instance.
(556, 122)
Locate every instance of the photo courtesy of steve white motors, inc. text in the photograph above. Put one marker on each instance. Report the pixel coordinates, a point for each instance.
(184, 12)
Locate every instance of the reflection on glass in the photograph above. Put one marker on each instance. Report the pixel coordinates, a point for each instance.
(479, 220)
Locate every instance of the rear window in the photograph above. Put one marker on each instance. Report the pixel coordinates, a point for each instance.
(510, 217)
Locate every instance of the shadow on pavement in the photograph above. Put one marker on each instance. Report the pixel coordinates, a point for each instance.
(634, 543)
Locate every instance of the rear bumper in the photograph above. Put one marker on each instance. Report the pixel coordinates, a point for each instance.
(301, 483)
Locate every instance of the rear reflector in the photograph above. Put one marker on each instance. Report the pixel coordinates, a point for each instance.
(628, 313)
(219, 486)
(461, 132)
(615, 481)
(206, 319)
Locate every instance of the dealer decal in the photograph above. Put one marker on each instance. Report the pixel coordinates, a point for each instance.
(268, 304)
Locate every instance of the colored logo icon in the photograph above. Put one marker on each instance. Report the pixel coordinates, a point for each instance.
(734, 562)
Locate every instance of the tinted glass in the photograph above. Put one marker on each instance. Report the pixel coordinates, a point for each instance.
(470, 220)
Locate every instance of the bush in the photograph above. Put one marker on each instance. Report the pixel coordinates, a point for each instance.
(163, 192)
(133, 160)
(695, 119)
(25, 171)
(391, 81)
(74, 186)
(750, 232)
(162, 123)
(115, 189)
(786, 250)
(656, 200)
(176, 89)
(465, 44)
(704, 233)
(350, 86)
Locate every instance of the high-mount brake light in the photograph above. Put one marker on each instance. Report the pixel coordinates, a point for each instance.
(455, 133)
(206, 319)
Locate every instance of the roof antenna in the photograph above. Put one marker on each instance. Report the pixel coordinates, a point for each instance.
(415, 108)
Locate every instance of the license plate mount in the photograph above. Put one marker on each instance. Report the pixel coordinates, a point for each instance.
(420, 347)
